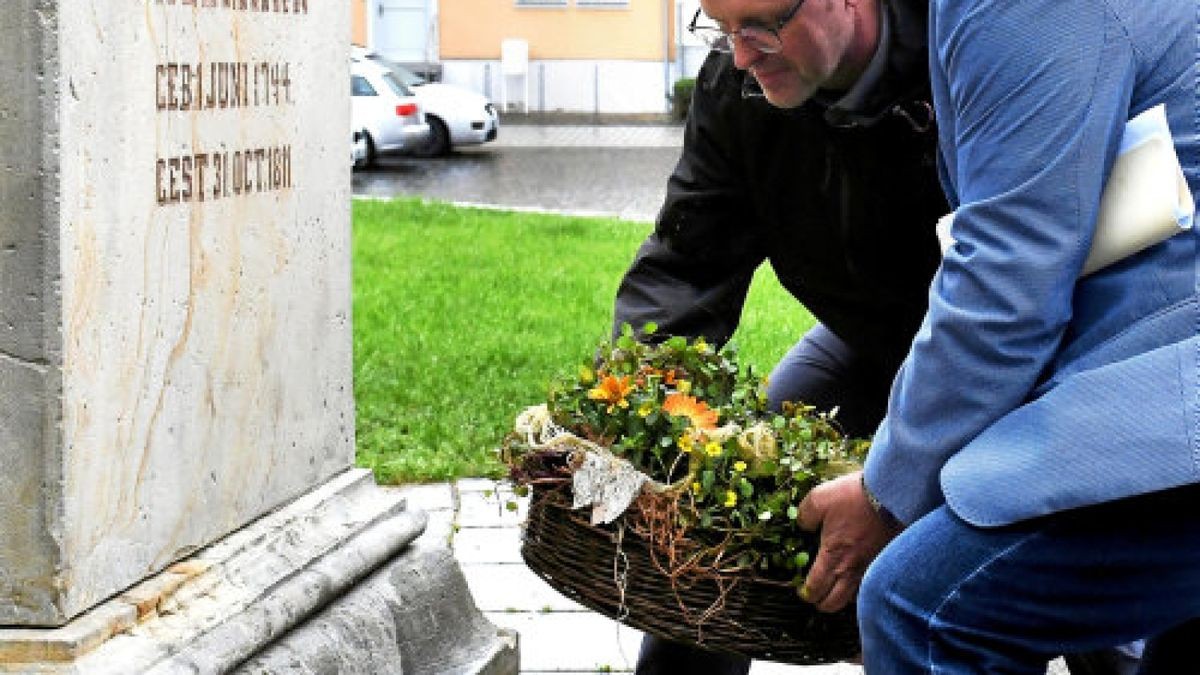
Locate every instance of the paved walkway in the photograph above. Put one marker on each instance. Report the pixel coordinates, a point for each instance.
(557, 634)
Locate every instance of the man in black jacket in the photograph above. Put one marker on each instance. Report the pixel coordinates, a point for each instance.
(809, 144)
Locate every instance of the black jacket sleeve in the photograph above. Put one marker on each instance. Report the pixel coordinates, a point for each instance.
(691, 275)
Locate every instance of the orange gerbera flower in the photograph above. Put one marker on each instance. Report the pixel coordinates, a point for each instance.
(682, 405)
(612, 390)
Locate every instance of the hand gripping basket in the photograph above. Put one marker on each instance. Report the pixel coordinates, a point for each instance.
(611, 570)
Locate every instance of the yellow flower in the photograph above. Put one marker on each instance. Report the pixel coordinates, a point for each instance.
(586, 375)
(730, 498)
(739, 466)
(612, 390)
(713, 449)
(685, 386)
(696, 488)
(645, 409)
(686, 442)
(681, 405)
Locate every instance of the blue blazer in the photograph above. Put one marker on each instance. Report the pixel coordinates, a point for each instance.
(1028, 390)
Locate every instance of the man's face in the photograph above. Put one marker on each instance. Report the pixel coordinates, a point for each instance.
(826, 45)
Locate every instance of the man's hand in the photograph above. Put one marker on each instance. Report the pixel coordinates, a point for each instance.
(852, 534)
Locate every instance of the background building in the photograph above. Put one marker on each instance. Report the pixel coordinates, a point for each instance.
(580, 56)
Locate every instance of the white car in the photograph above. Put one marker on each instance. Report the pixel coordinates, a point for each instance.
(456, 115)
(392, 119)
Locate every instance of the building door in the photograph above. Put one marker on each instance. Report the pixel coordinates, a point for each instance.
(402, 30)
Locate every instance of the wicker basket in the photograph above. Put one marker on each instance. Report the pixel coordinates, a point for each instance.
(756, 618)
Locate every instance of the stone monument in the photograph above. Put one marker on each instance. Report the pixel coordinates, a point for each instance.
(176, 403)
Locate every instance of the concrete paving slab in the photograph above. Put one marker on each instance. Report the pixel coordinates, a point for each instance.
(483, 509)
(440, 529)
(499, 588)
(571, 642)
(488, 545)
(428, 496)
(466, 485)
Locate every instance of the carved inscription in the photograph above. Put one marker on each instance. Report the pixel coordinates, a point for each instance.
(277, 6)
(219, 175)
(204, 174)
(211, 86)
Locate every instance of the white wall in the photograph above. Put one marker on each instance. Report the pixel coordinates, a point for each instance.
(569, 86)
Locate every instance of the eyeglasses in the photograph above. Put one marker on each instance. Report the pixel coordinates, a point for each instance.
(761, 38)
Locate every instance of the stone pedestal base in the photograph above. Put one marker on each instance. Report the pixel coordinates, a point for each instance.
(332, 583)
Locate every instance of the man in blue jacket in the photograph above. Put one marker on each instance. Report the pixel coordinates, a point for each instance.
(1035, 408)
(1039, 461)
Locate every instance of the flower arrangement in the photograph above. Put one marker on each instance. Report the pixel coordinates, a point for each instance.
(719, 477)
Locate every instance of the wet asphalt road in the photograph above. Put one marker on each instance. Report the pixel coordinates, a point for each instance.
(620, 179)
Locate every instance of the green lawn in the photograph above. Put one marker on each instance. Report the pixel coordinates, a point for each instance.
(462, 315)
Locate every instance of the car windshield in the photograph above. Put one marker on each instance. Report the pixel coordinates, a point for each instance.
(407, 76)
(396, 85)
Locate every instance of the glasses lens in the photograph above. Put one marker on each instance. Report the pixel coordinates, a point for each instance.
(760, 39)
(714, 37)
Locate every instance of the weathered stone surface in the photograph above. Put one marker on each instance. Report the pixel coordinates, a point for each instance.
(332, 582)
(29, 337)
(175, 348)
(397, 622)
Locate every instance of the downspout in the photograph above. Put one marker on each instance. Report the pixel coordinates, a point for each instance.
(667, 53)
(680, 66)
(369, 17)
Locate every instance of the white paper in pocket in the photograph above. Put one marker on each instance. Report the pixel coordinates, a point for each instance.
(1145, 201)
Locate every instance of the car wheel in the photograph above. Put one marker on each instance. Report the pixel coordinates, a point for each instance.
(439, 139)
(360, 143)
(369, 162)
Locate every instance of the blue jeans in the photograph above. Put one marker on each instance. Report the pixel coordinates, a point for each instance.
(947, 597)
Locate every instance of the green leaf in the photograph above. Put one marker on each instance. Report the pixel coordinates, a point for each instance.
(793, 513)
(650, 328)
(745, 488)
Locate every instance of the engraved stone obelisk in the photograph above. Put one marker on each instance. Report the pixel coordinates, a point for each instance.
(175, 346)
